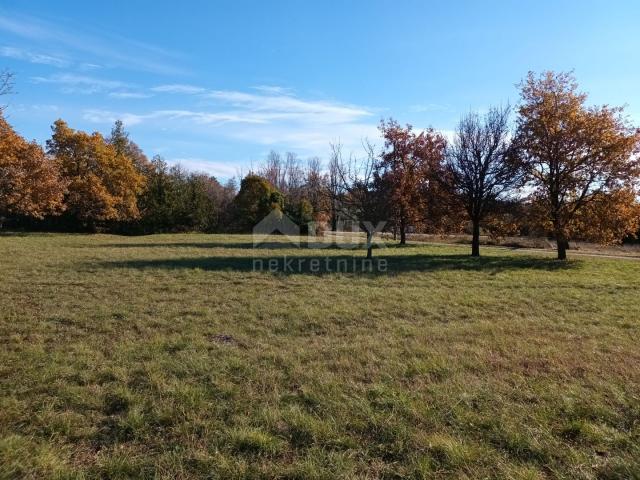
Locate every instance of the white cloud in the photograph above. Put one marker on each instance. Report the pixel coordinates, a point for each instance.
(187, 117)
(108, 49)
(22, 28)
(311, 139)
(108, 117)
(289, 107)
(278, 120)
(447, 134)
(178, 88)
(271, 104)
(32, 57)
(127, 95)
(37, 108)
(72, 83)
(90, 66)
(282, 102)
(273, 89)
(217, 169)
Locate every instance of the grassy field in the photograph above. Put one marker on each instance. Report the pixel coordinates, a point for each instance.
(168, 357)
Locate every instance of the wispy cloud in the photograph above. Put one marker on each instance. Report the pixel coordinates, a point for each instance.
(129, 95)
(210, 167)
(281, 107)
(271, 103)
(107, 117)
(23, 28)
(33, 57)
(178, 88)
(273, 89)
(189, 116)
(234, 106)
(104, 48)
(272, 118)
(311, 140)
(72, 83)
(89, 66)
(37, 107)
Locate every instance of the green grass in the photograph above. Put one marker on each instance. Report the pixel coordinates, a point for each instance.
(168, 357)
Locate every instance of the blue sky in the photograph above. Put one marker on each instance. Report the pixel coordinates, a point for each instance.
(216, 85)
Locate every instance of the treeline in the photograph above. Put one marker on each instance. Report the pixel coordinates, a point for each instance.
(86, 182)
(562, 169)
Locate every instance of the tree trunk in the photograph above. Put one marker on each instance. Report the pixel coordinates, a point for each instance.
(403, 236)
(91, 226)
(475, 241)
(369, 244)
(563, 245)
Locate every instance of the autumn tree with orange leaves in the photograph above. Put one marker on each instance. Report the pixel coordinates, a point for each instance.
(583, 161)
(30, 184)
(103, 184)
(405, 168)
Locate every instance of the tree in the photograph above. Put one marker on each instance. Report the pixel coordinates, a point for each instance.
(609, 218)
(480, 169)
(314, 185)
(229, 192)
(6, 85)
(155, 201)
(405, 169)
(177, 200)
(274, 171)
(361, 197)
(255, 200)
(124, 146)
(202, 202)
(102, 185)
(30, 184)
(334, 187)
(302, 214)
(303, 186)
(576, 156)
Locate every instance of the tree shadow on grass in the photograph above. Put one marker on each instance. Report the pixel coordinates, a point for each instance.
(351, 264)
(23, 234)
(240, 245)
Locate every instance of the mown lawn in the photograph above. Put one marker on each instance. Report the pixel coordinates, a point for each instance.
(168, 357)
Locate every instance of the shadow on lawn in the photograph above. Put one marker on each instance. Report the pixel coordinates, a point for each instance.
(350, 264)
(240, 245)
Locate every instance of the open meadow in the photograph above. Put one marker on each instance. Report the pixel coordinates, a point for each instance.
(167, 356)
